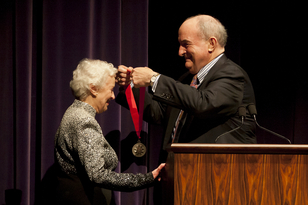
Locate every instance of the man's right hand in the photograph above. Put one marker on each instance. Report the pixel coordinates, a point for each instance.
(123, 77)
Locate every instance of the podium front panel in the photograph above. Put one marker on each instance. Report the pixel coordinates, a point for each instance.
(239, 174)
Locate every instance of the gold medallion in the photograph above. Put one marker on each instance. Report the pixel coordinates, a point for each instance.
(139, 149)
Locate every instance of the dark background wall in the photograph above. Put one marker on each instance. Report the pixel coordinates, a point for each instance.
(266, 38)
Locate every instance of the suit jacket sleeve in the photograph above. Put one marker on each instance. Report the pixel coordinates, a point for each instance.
(220, 93)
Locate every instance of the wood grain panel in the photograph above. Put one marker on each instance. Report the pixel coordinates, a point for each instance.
(270, 189)
(302, 181)
(189, 178)
(221, 175)
(253, 172)
(235, 179)
(288, 178)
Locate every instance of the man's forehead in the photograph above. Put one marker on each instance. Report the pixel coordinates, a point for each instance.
(187, 35)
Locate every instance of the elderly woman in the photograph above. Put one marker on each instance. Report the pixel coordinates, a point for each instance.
(84, 158)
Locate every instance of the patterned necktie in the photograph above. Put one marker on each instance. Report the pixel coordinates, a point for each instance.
(192, 84)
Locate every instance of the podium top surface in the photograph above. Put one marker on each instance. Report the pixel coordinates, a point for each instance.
(239, 148)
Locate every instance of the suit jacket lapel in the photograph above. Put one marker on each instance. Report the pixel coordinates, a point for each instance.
(217, 65)
(189, 118)
(174, 113)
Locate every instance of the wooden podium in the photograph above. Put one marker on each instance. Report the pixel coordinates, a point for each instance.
(233, 174)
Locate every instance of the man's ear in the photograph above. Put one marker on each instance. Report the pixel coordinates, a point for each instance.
(93, 90)
(212, 44)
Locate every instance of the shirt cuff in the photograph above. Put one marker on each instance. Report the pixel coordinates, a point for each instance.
(155, 83)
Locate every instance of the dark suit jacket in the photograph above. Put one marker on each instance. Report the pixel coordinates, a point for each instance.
(210, 110)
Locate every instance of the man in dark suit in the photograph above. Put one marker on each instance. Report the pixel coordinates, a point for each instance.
(198, 111)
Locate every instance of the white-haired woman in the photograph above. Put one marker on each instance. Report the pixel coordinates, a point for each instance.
(84, 158)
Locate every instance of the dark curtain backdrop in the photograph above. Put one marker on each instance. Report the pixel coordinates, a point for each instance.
(41, 43)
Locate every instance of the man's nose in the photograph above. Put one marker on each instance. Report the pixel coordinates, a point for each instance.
(182, 51)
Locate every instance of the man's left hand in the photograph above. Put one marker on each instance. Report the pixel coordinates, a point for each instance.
(142, 76)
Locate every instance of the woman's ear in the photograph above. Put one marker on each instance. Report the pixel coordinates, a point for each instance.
(93, 90)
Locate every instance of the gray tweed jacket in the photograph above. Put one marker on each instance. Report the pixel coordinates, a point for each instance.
(81, 149)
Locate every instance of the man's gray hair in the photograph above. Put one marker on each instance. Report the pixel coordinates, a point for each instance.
(89, 72)
(211, 27)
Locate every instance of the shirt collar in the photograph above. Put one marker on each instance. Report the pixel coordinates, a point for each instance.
(204, 71)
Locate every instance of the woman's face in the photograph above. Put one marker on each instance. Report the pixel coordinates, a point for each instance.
(105, 95)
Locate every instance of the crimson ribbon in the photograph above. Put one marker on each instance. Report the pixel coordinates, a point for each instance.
(136, 116)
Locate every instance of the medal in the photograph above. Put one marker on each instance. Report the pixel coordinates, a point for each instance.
(139, 149)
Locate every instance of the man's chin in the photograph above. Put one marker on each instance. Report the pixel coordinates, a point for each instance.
(190, 69)
(188, 66)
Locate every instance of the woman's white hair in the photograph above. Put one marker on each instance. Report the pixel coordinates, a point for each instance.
(89, 72)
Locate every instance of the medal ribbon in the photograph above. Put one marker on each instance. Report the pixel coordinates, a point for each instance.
(136, 116)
